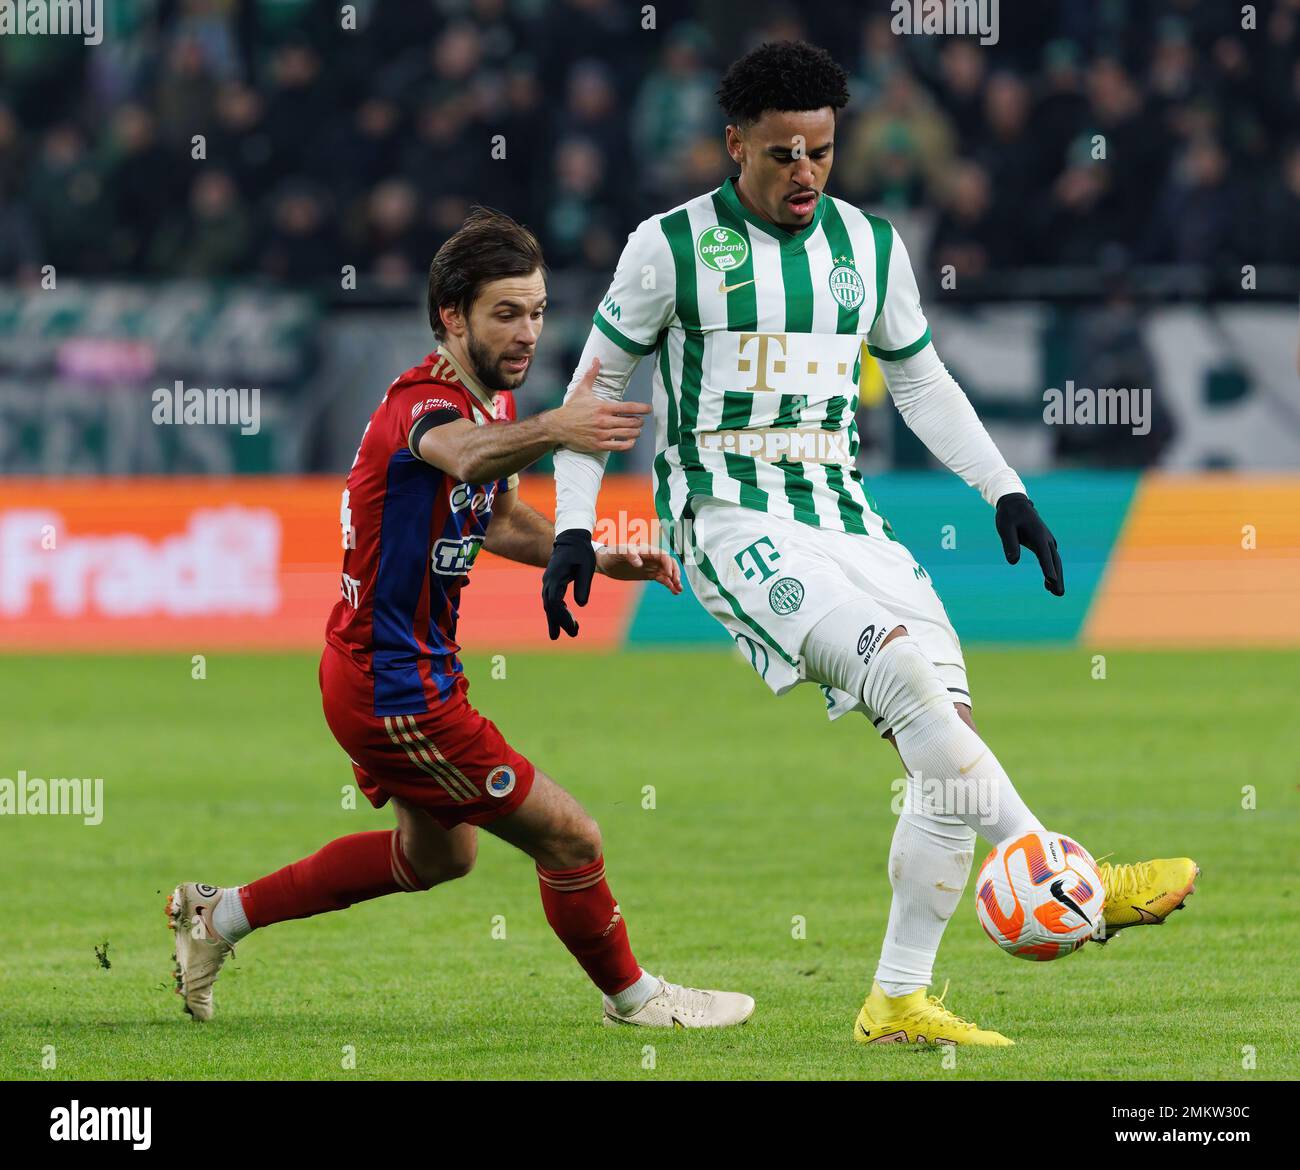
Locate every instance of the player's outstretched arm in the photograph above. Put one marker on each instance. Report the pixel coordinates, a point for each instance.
(938, 412)
(578, 475)
(521, 533)
(627, 327)
(475, 454)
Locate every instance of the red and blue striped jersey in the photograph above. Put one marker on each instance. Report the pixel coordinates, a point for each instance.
(410, 535)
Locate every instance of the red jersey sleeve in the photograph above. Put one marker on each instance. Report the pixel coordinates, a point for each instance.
(425, 405)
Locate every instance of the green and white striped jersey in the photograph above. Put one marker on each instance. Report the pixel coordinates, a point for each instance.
(758, 336)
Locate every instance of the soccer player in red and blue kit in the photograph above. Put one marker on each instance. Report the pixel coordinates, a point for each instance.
(433, 482)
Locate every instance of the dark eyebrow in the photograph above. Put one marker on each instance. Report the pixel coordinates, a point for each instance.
(514, 303)
(807, 149)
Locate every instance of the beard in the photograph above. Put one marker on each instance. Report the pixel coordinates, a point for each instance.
(487, 369)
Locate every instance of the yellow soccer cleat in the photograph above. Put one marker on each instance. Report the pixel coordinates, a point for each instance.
(918, 1018)
(1144, 893)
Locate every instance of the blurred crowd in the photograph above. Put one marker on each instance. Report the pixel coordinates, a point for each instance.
(221, 138)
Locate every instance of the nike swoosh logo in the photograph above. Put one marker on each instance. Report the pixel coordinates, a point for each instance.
(724, 287)
(1146, 915)
(1058, 892)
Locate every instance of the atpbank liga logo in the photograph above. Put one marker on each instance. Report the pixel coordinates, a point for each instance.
(53, 18)
(722, 248)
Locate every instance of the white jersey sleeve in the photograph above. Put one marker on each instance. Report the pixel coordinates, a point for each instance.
(640, 299)
(626, 327)
(926, 394)
(900, 328)
(941, 416)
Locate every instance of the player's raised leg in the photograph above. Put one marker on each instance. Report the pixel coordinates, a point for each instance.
(564, 841)
(956, 790)
(209, 921)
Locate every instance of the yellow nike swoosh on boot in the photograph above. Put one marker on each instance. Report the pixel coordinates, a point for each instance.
(918, 1018)
(1145, 893)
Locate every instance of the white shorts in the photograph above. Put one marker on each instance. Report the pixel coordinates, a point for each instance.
(769, 580)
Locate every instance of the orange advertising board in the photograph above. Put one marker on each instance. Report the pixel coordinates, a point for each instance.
(244, 562)
(1204, 560)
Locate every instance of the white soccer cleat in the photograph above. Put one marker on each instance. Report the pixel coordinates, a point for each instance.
(200, 950)
(674, 1006)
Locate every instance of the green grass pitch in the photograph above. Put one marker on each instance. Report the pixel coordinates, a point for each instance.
(765, 816)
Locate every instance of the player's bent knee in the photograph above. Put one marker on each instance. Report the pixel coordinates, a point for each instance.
(902, 683)
(455, 867)
(460, 861)
(576, 844)
(840, 648)
(434, 867)
(585, 844)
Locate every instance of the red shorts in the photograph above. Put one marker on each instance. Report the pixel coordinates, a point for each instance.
(452, 762)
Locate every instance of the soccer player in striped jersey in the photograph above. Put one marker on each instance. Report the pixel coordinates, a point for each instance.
(435, 479)
(756, 303)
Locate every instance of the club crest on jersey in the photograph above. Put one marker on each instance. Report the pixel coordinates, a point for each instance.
(500, 781)
(722, 248)
(846, 286)
(786, 596)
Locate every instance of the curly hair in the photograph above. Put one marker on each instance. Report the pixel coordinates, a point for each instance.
(782, 75)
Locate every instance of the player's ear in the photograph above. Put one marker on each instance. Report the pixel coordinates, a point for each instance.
(735, 145)
(453, 320)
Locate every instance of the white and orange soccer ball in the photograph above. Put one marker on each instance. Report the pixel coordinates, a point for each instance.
(1039, 896)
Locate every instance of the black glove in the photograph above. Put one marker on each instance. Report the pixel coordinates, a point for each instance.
(572, 559)
(1019, 523)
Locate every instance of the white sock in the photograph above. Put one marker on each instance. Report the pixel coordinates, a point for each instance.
(229, 919)
(956, 787)
(961, 777)
(628, 1000)
(929, 862)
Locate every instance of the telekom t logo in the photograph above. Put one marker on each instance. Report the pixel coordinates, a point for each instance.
(760, 562)
(775, 365)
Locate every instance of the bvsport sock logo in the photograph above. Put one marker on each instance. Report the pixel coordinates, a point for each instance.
(103, 1123)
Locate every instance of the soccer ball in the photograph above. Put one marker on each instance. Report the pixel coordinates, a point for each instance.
(1039, 896)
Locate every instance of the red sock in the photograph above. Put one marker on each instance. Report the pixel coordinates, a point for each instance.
(584, 915)
(350, 869)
